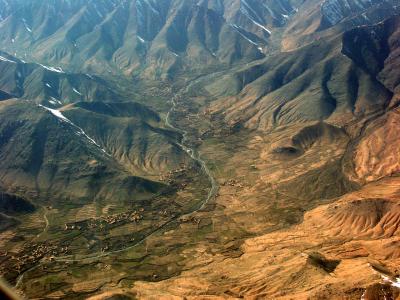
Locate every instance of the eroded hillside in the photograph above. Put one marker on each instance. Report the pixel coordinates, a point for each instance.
(200, 149)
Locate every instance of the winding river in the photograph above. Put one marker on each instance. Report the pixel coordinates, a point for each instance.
(194, 154)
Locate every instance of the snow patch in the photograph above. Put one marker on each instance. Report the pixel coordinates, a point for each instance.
(58, 114)
(7, 60)
(336, 10)
(79, 131)
(56, 100)
(247, 14)
(392, 282)
(261, 26)
(76, 91)
(245, 37)
(395, 283)
(56, 69)
(26, 26)
(363, 295)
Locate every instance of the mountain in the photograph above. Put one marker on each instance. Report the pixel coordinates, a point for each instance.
(348, 246)
(48, 85)
(152, 37)
(327, 18)
(200, 148)
(342, 82)
(48, 156)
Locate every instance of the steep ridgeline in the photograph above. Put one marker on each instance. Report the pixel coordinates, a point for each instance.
(376, 49)
(318, 19)
(84, 152)
(50, 86)
(146, 37)
(338, 77)
(335, 11)
(265, 165)
(314, 83)
(348, 246)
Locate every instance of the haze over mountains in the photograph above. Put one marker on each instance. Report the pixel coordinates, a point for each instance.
(200, 148)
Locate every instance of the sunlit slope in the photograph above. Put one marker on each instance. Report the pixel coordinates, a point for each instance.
(148, 38)
(82, 155)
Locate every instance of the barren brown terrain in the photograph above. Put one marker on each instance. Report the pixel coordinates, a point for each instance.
(213, 149)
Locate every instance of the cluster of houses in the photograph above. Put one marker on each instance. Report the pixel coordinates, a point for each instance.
(233, 182)
(35, 253)
(134, 216)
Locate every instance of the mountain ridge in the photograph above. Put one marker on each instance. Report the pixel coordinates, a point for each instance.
(200, 149)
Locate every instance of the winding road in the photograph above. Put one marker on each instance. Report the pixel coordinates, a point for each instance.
(46, 220)
(193, 153)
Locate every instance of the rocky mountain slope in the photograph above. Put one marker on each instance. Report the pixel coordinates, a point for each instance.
(46, 155)
(320, 19)
(335, 79)
(48, 85)
(344, 248)
(149, 38)
(200, 149)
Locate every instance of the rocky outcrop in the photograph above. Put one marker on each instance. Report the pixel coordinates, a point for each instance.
(378, 153)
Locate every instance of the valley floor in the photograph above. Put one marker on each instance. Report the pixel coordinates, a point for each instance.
(262, 234)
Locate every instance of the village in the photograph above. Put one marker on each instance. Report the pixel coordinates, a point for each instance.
(31, 255)
(102, 222)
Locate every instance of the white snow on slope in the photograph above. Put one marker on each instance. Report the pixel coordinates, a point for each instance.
(245, 37)
(26, 26)
(76, 91)
(80, 131)
(337, 10)
(261, 26)
(56, 100)
(58, 69)
(246, 13)
(387, 279)
(7, 60)
(392, 282)
(58, 114)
